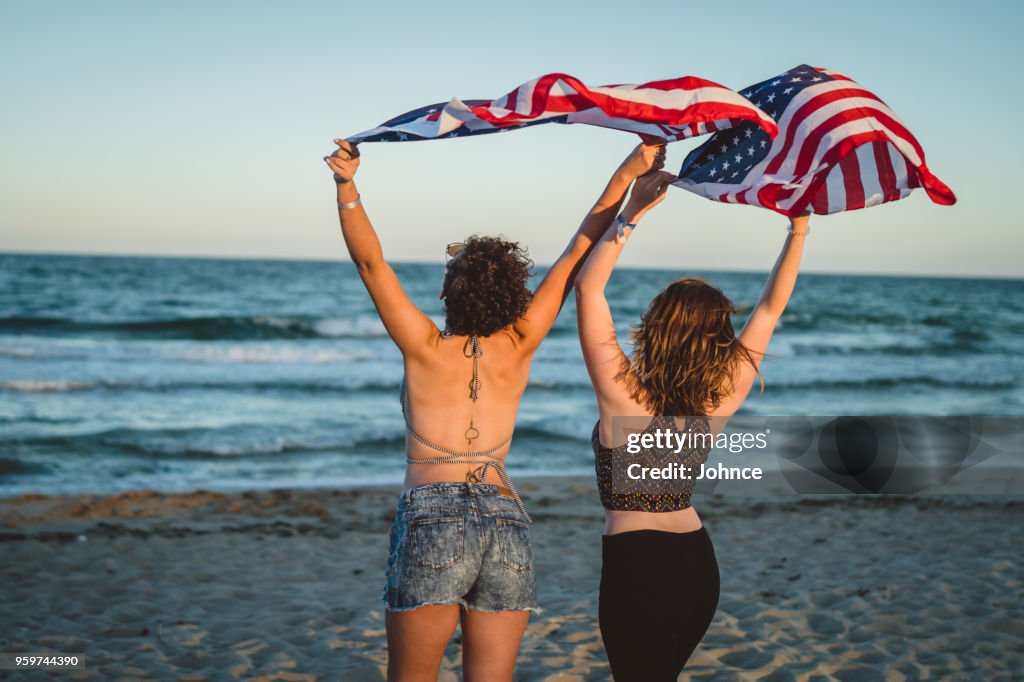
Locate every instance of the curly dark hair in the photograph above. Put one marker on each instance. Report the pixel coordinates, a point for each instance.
(485, 286)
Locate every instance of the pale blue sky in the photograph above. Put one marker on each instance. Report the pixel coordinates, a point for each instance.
(196, 128)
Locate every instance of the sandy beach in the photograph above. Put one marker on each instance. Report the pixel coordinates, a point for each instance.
(285, 585)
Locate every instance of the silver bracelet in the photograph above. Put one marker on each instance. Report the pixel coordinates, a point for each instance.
(351, 204)
(799, 234)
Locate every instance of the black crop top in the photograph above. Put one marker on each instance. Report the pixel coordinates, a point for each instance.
(649, 495)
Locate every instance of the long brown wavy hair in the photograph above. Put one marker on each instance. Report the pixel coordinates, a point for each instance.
(684, 351)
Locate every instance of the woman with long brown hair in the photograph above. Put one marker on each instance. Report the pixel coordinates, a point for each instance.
(460, 544)
(659, 576)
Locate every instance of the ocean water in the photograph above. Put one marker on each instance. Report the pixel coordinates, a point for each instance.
(175, 374)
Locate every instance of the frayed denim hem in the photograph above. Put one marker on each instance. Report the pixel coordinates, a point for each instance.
(445, 602)
(460, 602)
(535, 609)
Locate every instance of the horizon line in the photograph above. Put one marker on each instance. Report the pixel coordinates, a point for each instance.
(313, 259)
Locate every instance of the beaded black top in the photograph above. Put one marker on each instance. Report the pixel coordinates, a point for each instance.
(620, 493)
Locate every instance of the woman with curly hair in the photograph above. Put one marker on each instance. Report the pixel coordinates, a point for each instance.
(460, 544)
(659, 576)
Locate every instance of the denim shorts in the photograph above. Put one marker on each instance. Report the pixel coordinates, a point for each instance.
(459, 543)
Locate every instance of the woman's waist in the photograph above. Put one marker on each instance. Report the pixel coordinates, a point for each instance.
(679, 521)
(421, 471)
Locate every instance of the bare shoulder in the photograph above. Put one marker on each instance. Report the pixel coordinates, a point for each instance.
(518, 346)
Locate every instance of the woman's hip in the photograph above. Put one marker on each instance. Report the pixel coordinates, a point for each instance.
(658, 560)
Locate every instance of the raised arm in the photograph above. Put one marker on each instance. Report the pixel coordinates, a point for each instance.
(553, 290)
(757, 332)
(407, 325)
(601, 350)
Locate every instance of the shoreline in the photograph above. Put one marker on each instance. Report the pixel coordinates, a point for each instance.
(28, 508)
(284, 584)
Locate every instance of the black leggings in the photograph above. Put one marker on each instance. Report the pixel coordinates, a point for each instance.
(659, 592)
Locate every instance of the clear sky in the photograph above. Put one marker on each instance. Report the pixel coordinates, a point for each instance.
(196, 128)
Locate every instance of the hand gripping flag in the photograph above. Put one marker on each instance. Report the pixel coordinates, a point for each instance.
(839, 148)
(670, 109)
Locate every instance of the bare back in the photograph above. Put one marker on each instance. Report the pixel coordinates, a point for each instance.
(440, 410)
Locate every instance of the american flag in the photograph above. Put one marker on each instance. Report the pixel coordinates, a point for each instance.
(839, 148)
(670, 109)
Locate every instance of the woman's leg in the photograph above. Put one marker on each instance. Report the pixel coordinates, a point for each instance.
(490, 643)
(417, 640)
(702, 598)
(658, 595)
(634, 618)
(499, 603)
(430, 566)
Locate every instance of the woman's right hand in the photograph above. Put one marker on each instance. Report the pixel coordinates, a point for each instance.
(644, 159)
(648, 191)
(344, 161)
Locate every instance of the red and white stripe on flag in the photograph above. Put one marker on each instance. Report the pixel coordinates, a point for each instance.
(669, 109)
(839, 148)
